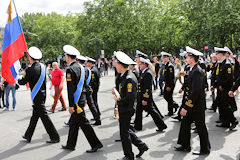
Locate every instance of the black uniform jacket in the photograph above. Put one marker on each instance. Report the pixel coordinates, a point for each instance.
(224, 75)
(127, 87)
(168, 73)
(73, 75)
(195, 94)
(145, 86)
(32, 76)
(95, 79)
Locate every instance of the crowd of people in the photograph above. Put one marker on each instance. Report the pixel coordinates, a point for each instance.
(133, 94)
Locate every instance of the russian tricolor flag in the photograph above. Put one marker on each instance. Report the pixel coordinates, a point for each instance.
(13, 48)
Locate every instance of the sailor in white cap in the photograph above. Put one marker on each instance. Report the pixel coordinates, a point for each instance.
(223, 83)
(145, 98)
(140, 54)
(169, 76)
(95, 80)
(96, 116)
(75, 76)
(126, 87)
(35, 75)
(194, 108)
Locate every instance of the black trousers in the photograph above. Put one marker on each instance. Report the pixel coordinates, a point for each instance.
(225, 110)
(39, 111)
(80, 120)
(152, 111)
(183, 103)
(155, 83)
(92, 106)
(2, 97)
(161, 85)
(95, 99)
(184, 136)
(168, 96)
(128, 137)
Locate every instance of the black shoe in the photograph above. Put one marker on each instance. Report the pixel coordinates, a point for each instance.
(181, 148)
(68, 148)
(63, 109)
(27, 139)
(161, 129)
(142, 150)
(169, 114)
(94, 149)
(177, 117)
(200, 153)
(223, 125)
(118, 140)
(234, 125)
(53, 141)
(67, 123)
(97, 123)
(126, 158)
(50, 110)
(218, 121)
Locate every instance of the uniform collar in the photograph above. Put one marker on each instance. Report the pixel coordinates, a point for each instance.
(144, 70)
(71, 63)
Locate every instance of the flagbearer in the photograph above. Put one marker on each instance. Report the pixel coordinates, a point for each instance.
(75, 76)
(36, 76)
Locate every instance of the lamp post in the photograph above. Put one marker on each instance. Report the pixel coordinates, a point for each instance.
(96, 39)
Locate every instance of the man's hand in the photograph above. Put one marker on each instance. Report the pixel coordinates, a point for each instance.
(212, 88)
(144, 103)
(113, 92)
(180, 91)
(183, 112)
(230, 93)
(220, 88)
(115, 98)
(71, 110)
(168, 89)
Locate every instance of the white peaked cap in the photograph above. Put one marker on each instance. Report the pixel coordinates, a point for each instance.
(35, 52)
(124, 58)
(193, 51)
(70, 50)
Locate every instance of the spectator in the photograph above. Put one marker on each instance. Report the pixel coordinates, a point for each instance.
(57, 82)
(157, 67)
(177, 68)
(7, 87)
(1, 94)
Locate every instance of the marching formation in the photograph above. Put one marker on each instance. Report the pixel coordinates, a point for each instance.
(133, 94)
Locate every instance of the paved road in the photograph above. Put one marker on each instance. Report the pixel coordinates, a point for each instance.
(225, 144)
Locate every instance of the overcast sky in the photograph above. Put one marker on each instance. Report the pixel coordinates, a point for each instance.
(44, 6)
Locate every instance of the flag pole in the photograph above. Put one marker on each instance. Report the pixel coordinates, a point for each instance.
(15, 7)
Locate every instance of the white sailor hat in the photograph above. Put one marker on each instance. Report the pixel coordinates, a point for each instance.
(81, 58)
(193, 52)
(228, 50)
(183, 54)
(166, 54)
(220, 49)
(90, 59)
(70, 50)
(123, 58)
(140, 54)
(213, 55)
(143, 60)
(35, 52)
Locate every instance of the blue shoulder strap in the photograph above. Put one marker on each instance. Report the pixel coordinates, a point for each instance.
(39, 82)
(78, 92)
(89, 76)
